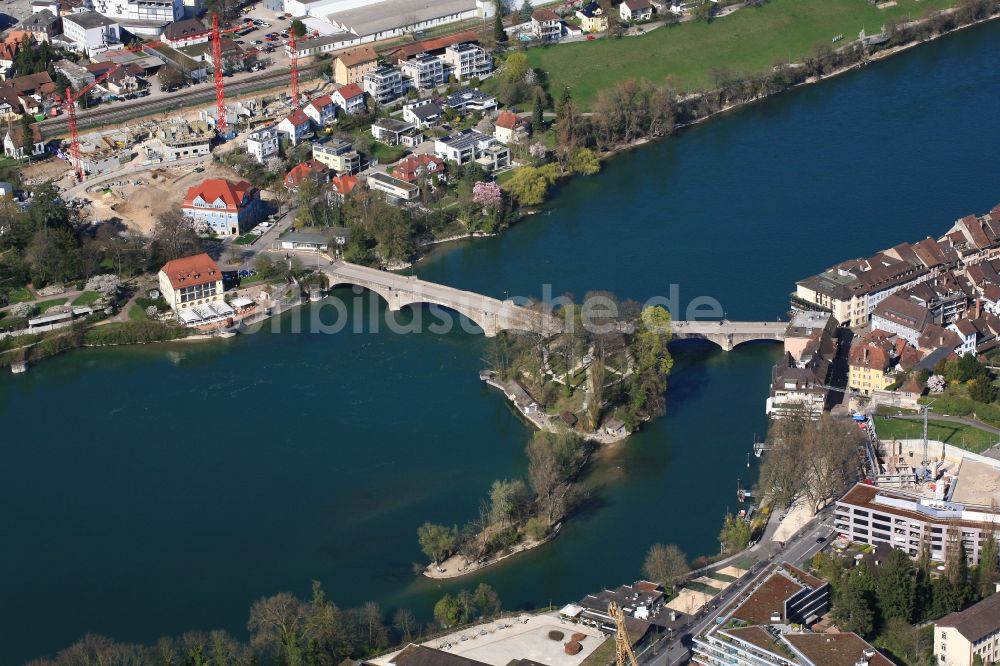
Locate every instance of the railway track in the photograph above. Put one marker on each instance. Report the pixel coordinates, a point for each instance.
(140, 108)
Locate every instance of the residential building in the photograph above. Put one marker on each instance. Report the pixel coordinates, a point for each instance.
(337, 155)
(20, 143)
(296, 126)
(394, 188)
(321, 111)
(756, 645)
(423, 114)
(126, 80)
(138, 12)
(472, 145)
(902, 317)
(511, 128)
(9, 47)
(42, 26)
(434, 46)
(383, 84)
(390, 130)
(351, 98)
(871, 363)
(341, 186)
(592, 18)
(90, 32)
(411, 168)
(546, 25)
(424, 71)
(222, 207)
(635, 10)
(468, 60)
(186, 32)
(974, 632)
(351, 66)
(312, 170)
(908, 520)
(190, 281)
(262, 143)
(795, 390)
(314, 239)
(470, 99)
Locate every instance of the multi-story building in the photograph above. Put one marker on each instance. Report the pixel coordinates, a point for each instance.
(313, 170)
(871, 363)
(296, 125)
(901, 316)
(221, 206)
(262, 143)
(592, 18)
(337, 155)
(190, 281)
(468, 60)
(394, 188)
(909, 521)
(635, 10)
(180, 140)
(351, 66)
(186, 32)
(780, 646)
(472, 145)
(152, 11)
(351, 98)
(42, 26)
(321, 111)
(423, 114)
(975, 632)
(383, 84)
(424, 71)
(90, 32)
(411, 168)
(470, 99)
(546, 25)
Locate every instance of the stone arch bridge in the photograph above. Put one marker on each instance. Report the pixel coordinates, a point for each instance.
(728, 334)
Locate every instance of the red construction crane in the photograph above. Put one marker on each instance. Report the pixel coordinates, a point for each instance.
(220, 92)
(74, 137)
(293, 63)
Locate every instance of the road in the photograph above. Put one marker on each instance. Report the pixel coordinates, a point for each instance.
(800, 548)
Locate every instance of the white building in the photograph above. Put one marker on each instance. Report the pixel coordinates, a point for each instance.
(546, 25)
(190, 281)
(975, 632)
(468, 60)
(321, 111)
(371, 20)
(263, 143)
(351, 98)
(159, 12)
(422, 114)
(472, 145)
(394, 188)
(635, 10)
(383, 84)
(296, 125)
(424, 71)
(221, 206)
(90, 32)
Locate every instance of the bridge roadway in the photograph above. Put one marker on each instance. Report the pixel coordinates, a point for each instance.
(490, 314)
(727, 334)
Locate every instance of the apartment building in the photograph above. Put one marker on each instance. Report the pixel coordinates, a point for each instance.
(153, 11)
(546, 25)
(262, 143)
(90, 32)
(468, 60)
(222, 206)
(424, 71)
(337, 155)
(901, 316)
(384, 84)
(190, 281)
(975, 632)
(351, 66)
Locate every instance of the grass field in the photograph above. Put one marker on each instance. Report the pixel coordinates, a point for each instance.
(750, 40)
(19, 295)
(87, 298)
(246, 239)
(136, 313)
(956, 434)
(45, 305)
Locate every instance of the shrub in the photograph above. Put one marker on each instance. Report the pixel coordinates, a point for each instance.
(535, 528)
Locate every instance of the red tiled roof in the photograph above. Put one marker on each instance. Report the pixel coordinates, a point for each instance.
(320, 102)
(213, 189)
(298, 117)
(542, 15)
(508, 120)
(350, 91)
(408, 169)
(303, 170)
(344, 184)
(358, 56)
(435, 44)
(187, 271)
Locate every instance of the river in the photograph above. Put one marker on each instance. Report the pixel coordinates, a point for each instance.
(151, 490)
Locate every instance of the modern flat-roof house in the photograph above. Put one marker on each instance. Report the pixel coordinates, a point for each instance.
(351, 66)
(314, 239)
(222, 206)
(470, 99)
(975, 632)
(337, 155)
(423, 114)
(351, 98)
(393, 187)
(635, 10)
(472, 145)
(907, 521)
(392, 132)
(90, 32)
(546, 25)
(190, 281)
(262, 143)
(468, 60)
(383, 84)
(424, 71)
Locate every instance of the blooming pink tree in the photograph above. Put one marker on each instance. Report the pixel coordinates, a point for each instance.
(487, 195)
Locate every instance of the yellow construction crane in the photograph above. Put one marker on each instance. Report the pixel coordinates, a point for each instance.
(623, 646)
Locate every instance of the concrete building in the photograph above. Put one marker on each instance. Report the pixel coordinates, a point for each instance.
(90, 32)
(393, 132)
(546, 25)
(470, 99)
(222, 207)
(974, 632)
(142, 16)
(190, 281)
(424, 71)
(468, 60)
(351, 98)
(394, 188)
(909, 520)
(351, 66)
(181, 139)
(423, 114)
(337, 155)
(320, 239)
(262, 143)
(472, 145)
(372, 20)
(383, 84)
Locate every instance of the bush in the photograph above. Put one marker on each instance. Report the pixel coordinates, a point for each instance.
(13, 323)
(535, 529)
(133, 332)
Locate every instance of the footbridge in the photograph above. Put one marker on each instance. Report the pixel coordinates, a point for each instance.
(490, 314)
(728, 334)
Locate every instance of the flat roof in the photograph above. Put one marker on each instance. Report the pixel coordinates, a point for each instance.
(391, 14)
(464, 139)
(389, 180)
(89, 20)
(978, 483)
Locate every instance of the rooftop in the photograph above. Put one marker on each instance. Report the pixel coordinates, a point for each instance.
(391, 14)
(844, 649)
(88, 20)
(977, 621)
(187, 271)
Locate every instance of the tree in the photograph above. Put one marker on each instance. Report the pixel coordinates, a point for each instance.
(735, 534)
(986, 571)
(895, 587)
(524, 13)
(298, 28)
(508, 501)
(487, 194)
(447, 611)
(553, 458)
(538, 111)
(487, 600)
(981, 389)
(437, 541)
(584, 162)
(173, 237)
(665, 564)
(499, 34)
(529, 184)
(405, 623)
(286, 627)
(853, 604)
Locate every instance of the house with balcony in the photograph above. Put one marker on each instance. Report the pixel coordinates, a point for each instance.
(592, 18)
(411, 168)
(321, 111)
(313, 170)
(262, 143)
(351, 98)
(633, 11)
(423, 114)
(337, 155)
(424, 71)
(546, 26)
(472, 145)
(383, 84)
(190, 281)
(511, 128)
(186, 32)
(468, 60)
(395, 132)
(223, 207)
(351, 66)
(470, 99)
(296, 126)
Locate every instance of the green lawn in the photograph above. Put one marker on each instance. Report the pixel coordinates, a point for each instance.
(246, 239)
(87, 298)
(749, 40)
(55, 302)
(136, 313)
(956, 434)
(387, 154)
(20, 295)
